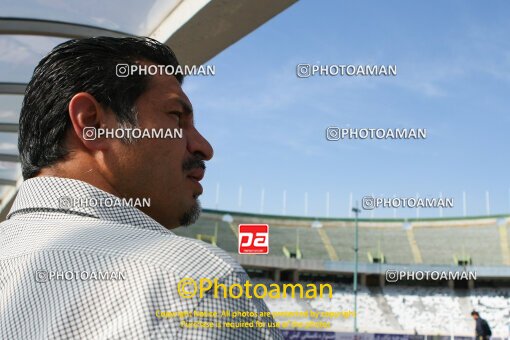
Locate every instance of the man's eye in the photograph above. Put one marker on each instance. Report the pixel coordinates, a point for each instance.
(176, 114)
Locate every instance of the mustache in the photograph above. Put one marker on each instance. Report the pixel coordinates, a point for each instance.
(193, 162)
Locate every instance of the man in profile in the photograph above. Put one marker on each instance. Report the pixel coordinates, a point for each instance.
(87, 251)
(482, 329)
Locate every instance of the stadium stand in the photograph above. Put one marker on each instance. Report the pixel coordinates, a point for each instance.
(409, 310)
(407, 307)
(451, 244)
(437, 241)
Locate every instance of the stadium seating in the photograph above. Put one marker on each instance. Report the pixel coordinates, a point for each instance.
(394, 309)
(433, 311)
(437, 243)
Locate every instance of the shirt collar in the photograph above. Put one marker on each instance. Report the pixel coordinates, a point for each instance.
(72, 196)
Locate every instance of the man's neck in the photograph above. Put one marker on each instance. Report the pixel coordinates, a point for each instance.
(90, 176)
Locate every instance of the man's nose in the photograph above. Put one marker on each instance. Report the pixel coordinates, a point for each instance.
(198, 144)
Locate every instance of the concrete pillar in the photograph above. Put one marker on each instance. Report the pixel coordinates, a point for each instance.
(295, 276)
(471, 284)
(451, 284)
(363, 280)
(277, 274)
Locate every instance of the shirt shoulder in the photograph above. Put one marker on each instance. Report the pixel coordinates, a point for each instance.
(160, 249)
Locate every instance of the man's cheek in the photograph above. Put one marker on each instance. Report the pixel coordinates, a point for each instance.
(174, 147)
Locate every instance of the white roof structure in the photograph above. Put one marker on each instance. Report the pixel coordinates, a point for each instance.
(197, 30)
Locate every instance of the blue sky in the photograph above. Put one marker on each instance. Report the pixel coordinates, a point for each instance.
(268, 126)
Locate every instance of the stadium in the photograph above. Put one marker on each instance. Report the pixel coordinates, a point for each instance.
(313, 251)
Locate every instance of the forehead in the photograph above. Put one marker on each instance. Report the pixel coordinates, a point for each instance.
(164, 89)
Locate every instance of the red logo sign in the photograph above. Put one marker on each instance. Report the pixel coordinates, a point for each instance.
(253, 239)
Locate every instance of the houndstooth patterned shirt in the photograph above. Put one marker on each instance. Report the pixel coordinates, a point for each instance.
(88, 271)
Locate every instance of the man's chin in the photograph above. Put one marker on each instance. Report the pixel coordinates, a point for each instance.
(191, 216)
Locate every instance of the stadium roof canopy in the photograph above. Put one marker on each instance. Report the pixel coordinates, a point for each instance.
(197, 30)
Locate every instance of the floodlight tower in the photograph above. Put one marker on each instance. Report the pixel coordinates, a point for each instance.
(356, 212)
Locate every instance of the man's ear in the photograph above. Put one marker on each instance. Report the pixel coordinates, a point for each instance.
(87, 117)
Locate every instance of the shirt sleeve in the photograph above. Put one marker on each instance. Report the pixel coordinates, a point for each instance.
(251, 322)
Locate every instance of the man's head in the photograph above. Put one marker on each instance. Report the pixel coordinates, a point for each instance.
(475, 314)
(76, 88)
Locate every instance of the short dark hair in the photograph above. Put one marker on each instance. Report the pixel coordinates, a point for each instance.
(81, 65)
(475, 313)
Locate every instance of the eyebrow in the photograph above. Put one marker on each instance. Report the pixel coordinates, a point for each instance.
(188, 109)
